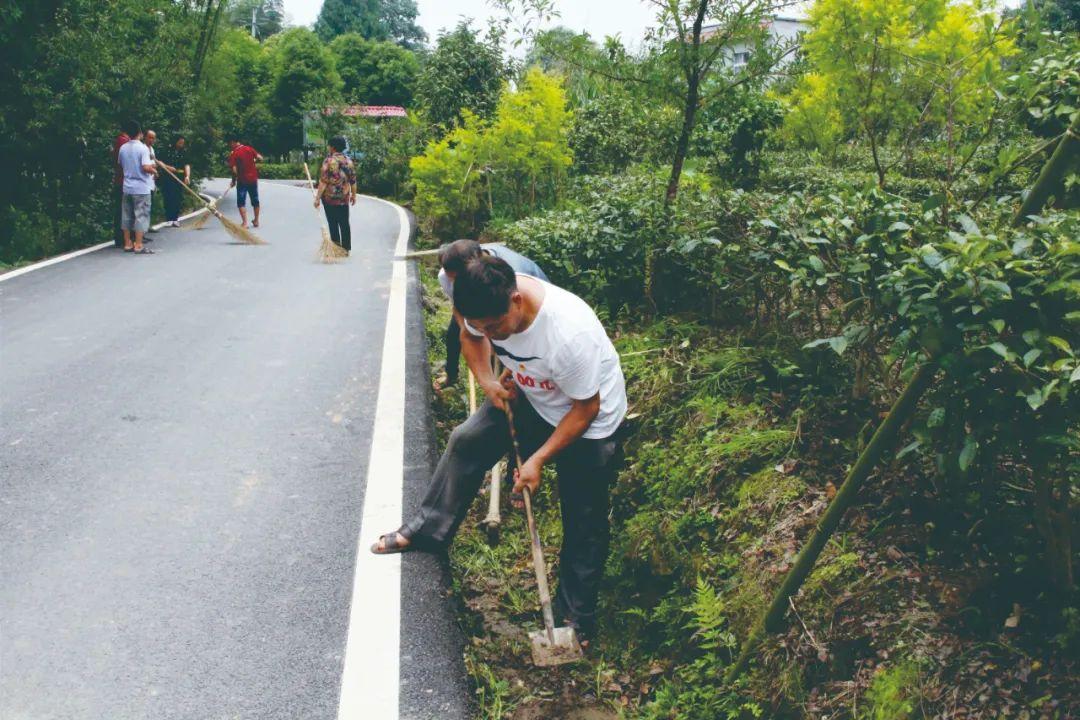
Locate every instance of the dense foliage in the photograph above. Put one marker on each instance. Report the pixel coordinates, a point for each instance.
(75, 71)
(777, 248)
(516, 161)
(837, 234)
(465, 71)
(390, 20)
(375, 73)
(68, 80)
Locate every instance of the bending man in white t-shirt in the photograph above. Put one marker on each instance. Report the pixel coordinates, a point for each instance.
(569, 399)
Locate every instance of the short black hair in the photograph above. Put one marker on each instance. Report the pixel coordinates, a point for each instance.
(453, 257)
(483, 288)
(132, 128)
(232, 136)
(178, 138)
(337, 142)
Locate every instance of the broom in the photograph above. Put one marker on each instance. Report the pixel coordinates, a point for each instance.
(329, 251)
(240, 233)
(200, 222)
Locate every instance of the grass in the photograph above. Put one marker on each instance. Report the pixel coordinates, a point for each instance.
(726, 474)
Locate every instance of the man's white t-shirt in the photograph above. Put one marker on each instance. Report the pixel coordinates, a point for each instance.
(133, 155)
(565, 355)
(153, 161)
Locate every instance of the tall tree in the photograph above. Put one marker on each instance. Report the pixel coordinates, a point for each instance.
(697, 37)
(300, 66)
(688, 58)
(393, 20)
(211, 20)
(464, 72)
(375, 73)
(888, 72)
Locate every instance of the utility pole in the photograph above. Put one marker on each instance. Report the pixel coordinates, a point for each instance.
(254, 13)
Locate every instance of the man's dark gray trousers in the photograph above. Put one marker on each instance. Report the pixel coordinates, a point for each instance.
(585, 469)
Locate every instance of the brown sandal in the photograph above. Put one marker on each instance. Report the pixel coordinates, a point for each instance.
(390, 544)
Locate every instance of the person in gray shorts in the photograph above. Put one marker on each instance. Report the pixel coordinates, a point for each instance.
(139, 171)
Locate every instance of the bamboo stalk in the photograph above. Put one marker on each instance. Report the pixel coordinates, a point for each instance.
(1052, 173)
(883, 439)
(1050, 176)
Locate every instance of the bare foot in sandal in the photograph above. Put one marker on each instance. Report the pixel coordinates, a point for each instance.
(390, 543)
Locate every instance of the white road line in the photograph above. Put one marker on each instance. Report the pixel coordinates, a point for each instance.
(370, 679)
(68, 256)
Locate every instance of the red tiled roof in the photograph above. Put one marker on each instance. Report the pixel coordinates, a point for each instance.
(369, 111)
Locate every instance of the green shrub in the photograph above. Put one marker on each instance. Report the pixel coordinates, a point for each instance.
(288, 171)
(382, 151)
(516, 162)
(894, 693)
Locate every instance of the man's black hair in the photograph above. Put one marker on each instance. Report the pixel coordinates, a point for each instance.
(233, 136)
(453, 257)
(178, 138)
(337, 142)
(483, 288)
(132, 128)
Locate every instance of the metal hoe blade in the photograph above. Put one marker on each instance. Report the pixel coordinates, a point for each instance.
(566, 648)
(552, 645)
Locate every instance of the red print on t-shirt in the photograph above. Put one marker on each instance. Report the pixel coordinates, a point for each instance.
(526, 381)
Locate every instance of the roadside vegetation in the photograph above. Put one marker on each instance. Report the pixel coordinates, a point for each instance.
(781, 248)
(836, 240)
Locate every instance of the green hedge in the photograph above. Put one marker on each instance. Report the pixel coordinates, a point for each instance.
(282, 171)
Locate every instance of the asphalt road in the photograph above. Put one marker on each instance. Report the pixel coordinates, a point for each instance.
(183, 448)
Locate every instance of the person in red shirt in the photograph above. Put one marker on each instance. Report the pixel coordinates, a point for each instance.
(242, 162)
(118, 186)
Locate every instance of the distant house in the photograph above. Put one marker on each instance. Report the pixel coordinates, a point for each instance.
(312, 128)
(782, 30)
(370, 111)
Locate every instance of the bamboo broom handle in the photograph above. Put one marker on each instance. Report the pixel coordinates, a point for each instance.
(539, 566)
(194, 194)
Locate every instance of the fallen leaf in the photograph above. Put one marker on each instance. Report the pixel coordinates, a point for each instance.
(830, 490)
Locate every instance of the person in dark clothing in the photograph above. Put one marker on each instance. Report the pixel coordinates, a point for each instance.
(174, 159)
(565, 382)
(118, 185)
(452, 259)
(337, 191)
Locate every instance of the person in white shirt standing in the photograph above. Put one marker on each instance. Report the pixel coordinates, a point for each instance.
(149, 140)
(138, 169)
(563, 377)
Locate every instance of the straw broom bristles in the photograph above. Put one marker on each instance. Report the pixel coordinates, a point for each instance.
(240, 233)
(200, 222)
(329, 251)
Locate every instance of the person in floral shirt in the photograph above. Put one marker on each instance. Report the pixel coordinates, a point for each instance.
(337, 191)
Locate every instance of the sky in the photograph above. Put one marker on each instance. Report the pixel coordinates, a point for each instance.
(599, 18)
(626, 18)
